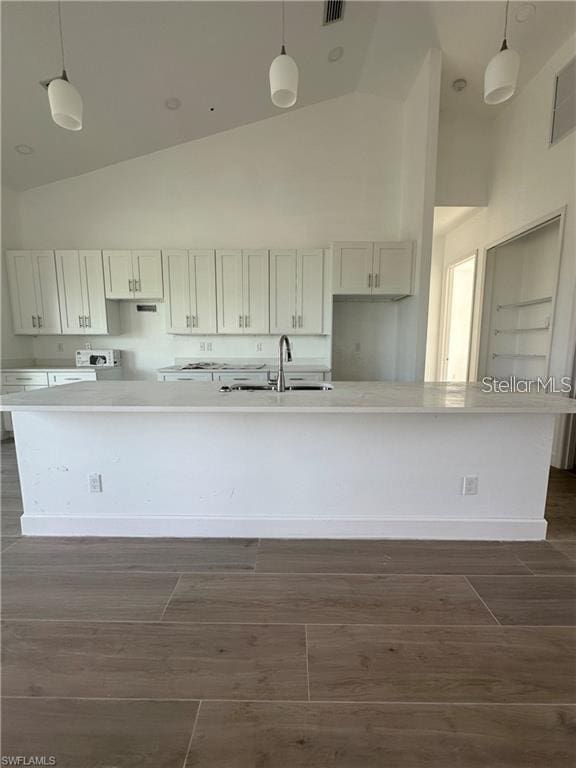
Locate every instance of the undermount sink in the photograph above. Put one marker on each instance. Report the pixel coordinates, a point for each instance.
(313, 386)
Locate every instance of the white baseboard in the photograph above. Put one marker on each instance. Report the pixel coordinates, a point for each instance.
(304, 528)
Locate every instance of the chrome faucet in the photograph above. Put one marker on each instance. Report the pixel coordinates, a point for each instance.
(284, 343)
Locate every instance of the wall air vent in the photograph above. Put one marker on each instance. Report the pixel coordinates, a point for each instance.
(333, 11)
(564, 111)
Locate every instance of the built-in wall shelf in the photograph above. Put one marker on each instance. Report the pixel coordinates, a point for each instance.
(520, 304)
(536, 329)
(518, 356)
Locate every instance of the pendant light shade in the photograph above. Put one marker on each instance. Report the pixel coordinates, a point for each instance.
(65, 103)
(501, 76)
(284, 80)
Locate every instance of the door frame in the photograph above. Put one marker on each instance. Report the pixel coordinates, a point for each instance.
(447, 282)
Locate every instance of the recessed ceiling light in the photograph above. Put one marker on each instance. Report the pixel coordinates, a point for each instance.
(335, 54)
(173, 102)
(24, 149)
(459, 84)
(524, 12)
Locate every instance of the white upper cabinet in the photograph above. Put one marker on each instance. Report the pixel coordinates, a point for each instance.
(242, 281)
(82, 297)
(34, 292)
(393, 271)
(374, 269)
(190, 279)
(133, 274)
(297, 291)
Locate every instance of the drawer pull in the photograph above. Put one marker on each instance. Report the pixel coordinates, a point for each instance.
(39, 321)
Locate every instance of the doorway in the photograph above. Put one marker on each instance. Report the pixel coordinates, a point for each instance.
(460, 282)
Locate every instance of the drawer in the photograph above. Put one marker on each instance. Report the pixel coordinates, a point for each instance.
(38, 378)
(183, 376)
(296, 377)
(70, 378)
(261, 376)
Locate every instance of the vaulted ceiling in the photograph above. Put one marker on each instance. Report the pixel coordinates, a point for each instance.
(127, 58)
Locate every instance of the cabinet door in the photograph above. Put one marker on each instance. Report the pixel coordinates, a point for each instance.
(96, 316)
(179, 312)
(229, 291)
(22, 285)
(256, 292)
(393, 269)
(47, 293)
(70, 268)
(283, 313)
(118, 274)
(203, 291)
(147, 267)
(310, 290)
(352, 268)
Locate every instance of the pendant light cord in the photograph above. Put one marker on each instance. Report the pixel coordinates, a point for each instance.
(283, 33)
(61, 35)
(505, 42)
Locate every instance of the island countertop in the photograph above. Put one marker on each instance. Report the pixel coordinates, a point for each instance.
(345, 397)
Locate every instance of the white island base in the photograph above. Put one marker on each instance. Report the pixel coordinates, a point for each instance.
(278, 473)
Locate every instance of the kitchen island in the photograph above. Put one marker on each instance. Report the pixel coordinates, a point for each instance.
(363, 460)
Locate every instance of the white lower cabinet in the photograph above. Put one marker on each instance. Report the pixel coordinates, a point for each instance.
(190, 280)
(259, 376)
(34, 292)
(186, 376)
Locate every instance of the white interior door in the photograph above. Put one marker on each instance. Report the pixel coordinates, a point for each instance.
(283, 313)
(47, 293)
(203, 291)
(459, 309)
(310, 289)
(393, 269)
(147, 268)
(22, 282)
(179, 312)
(229, 291)
(70, 278)
(96, 316)
(118, 274)
(256, 293)
(352, 268)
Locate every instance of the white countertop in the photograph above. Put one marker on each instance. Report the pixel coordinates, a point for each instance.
(346, 397)
(243, 364)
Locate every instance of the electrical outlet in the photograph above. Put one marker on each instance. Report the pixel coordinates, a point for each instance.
(209, 346)
(88, 345)
(60, 347)
(470, 485)
(202, 346)
(259, 347)
(95, 483)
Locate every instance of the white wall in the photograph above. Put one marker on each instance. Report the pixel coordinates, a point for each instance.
(364, 341)
(420, 139)
(14, 348)
(309, 177)
(464, 160)
(434, 309)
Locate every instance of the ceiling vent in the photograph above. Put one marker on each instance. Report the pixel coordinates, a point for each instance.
(333, 11)
(564, 111)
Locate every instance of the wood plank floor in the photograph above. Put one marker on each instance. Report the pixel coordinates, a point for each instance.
(191, 653)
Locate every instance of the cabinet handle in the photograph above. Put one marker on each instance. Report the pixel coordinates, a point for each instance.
(240, 321)
(87, 322)
(300, 321)
(195, 321)
(293, 321)
(369, 280)
(81, 321)
(39, 321)
(187, 321)
(246, 321)
(130, 289)
(33, 321)
(138, 286)
(377, 280)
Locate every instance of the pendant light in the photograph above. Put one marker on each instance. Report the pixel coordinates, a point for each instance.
(283, 76)
(65, 101)
(501, 74)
